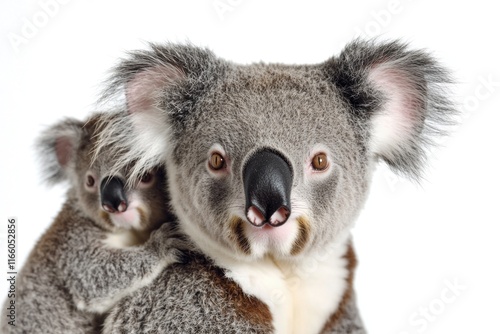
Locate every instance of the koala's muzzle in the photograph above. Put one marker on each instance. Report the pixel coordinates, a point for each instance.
(113, 198)
(267, 180)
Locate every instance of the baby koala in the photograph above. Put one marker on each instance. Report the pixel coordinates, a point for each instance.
(100, 247)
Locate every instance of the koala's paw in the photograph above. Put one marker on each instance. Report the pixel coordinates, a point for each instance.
(170, 243)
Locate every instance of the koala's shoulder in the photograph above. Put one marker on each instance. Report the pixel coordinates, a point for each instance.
(195, 297)
(67, 233)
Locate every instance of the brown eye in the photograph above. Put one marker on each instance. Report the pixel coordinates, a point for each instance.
(146, 178)
(216, 161)
(90, 181)
(319, 162)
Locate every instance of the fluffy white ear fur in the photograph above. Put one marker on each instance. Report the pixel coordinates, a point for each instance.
(150, 140)
(140, 139)
(400, 119)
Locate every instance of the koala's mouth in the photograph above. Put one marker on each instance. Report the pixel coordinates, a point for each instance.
(134, 217)
(284, 240)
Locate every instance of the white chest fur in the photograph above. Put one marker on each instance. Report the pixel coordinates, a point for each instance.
(301, 296)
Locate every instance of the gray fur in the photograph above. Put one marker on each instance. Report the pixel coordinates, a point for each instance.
(198, 100)
(197, 298)
(351, 322)
(71, 277)
(209, 307)
(192, 298)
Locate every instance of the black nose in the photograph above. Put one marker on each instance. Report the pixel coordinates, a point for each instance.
(267, 179)
(113, 197)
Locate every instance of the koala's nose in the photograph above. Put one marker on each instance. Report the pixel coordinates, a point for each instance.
(113, 198)
(267, 179)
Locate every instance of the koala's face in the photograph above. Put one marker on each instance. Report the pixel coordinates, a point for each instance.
(273, 159)
(108, 199)
(293, 114)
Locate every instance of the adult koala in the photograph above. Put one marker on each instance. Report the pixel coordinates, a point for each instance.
(269, 166)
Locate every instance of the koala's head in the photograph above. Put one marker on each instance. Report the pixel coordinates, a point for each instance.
(275, 159)
(67, 148)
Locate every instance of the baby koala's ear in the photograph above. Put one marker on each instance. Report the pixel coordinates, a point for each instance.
(57, 147)
(400, 93)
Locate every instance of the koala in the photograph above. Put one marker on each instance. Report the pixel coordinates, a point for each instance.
(268, 168)
(95, 252)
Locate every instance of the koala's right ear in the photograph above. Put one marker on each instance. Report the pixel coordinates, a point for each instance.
(57, 147)
(161, 86)
(400, 94)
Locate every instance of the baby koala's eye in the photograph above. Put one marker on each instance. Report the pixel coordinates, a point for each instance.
(216, 161)
(147, 178)
(319, 162)
(90, 182)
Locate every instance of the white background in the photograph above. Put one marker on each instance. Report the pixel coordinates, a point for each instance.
(412, 241)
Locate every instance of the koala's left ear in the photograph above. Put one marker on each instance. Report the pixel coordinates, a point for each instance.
(398, 95)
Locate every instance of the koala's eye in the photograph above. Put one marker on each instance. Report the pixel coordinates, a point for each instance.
(147, 178)
(90, 183)
(319, 162)
(216, 161)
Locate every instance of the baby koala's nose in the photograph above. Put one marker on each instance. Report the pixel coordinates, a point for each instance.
(113, 198)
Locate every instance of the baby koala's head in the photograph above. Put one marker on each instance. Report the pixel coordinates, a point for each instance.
(67, 149)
